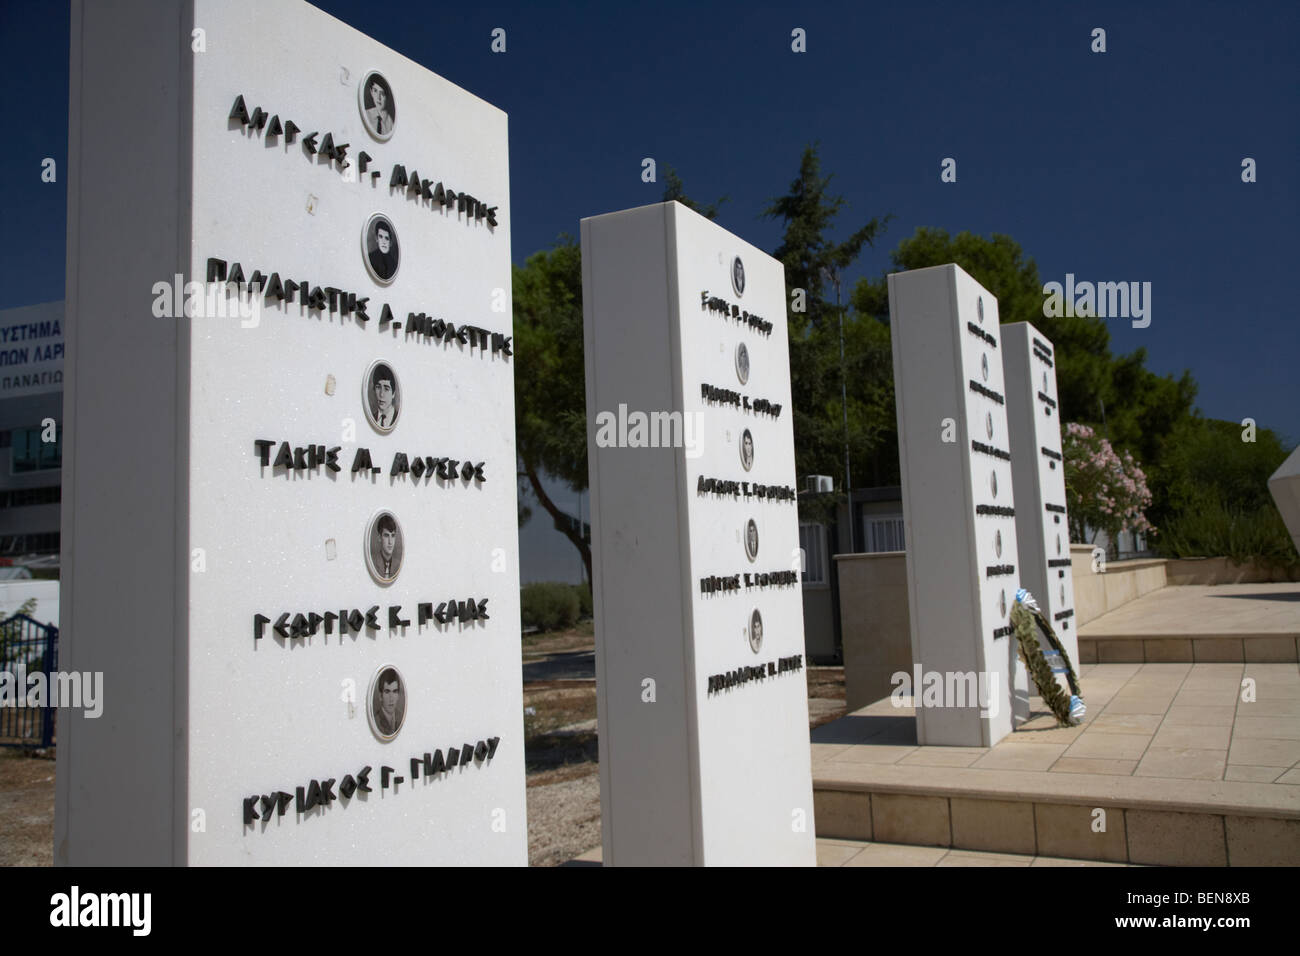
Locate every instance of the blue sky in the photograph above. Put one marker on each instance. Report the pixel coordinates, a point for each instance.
(1117, 166)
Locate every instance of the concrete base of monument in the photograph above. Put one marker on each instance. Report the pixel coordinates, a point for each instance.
(1224, 623)
(1170, 767)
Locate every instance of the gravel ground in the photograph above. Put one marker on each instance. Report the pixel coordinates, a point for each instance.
(27, 810)
(563, 777)
(563, 818)
(563, 812)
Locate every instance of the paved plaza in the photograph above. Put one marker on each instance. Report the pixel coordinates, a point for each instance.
(1191, 762)
(1152, 723)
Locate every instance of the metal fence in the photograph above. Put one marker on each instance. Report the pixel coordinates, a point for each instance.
(27, 647)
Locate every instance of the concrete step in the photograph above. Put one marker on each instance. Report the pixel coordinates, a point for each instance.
(1117, 826)
(1175, 647)
(1238, 624)
(1191, 764)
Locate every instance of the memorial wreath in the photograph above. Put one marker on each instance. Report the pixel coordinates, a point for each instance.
(1024, 614)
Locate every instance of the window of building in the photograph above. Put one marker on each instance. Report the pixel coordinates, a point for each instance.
(26, 497)
(812, 542)
(30, 543)
(882, 533)
(29, 453)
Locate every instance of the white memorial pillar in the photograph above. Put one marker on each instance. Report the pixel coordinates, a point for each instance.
(958, 507)
(1037, 465)
(703, 709)
(289, 520)
(1284, 486)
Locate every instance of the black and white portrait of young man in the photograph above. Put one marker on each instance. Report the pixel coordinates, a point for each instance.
(381, 397)
(384, 547)
(377, 108)
(387, 709)
(382, 254)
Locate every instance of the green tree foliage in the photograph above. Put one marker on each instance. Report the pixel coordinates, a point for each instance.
(807, 251)
(548, 606)
(550, 379)
(1207, 458)
(674, 191)
(11, 630)
(1194, 466)
(811, 258)
(1147, 409)
(1084, 366)
(1217, 500)
(1221, 530)
(1141, 408)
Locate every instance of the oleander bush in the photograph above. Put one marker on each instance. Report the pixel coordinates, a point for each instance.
(1104, 489)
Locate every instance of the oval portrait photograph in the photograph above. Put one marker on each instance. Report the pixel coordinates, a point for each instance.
(387, 702)
(742, 363)
(738, 275)
(751, 540)
(381, 396)
(384, 547)
(379, 248)
(755, 631)
(746, 450)
(377, 111)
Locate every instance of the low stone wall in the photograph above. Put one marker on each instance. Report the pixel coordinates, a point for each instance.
(1096, 592)
(819, 625)
(875, 623)
(1222, 571)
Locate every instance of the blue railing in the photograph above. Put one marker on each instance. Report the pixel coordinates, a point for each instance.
(27, 647)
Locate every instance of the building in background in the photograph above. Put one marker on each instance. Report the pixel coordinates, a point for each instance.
(31, 434)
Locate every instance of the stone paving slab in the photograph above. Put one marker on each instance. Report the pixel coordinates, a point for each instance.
(1278, 798)
(1192, 764)
(1151, 739)
(1222, 610)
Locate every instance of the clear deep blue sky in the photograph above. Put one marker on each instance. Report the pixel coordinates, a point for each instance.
(1117, 166)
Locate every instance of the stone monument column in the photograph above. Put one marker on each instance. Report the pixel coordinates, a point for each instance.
(958, 507)
(290, 519)
(1042, 523)
(702, 696)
